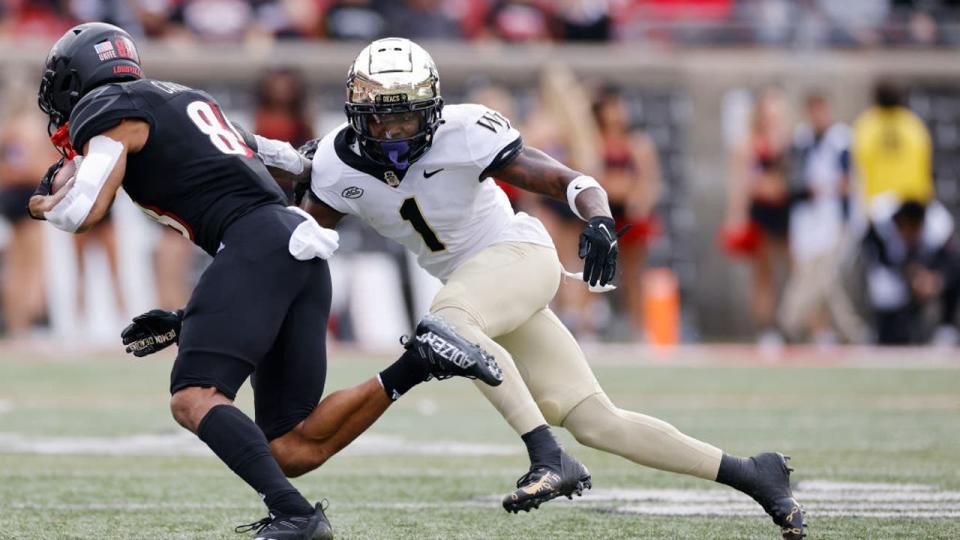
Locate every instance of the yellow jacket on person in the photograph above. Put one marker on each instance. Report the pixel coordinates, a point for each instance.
(892, 153)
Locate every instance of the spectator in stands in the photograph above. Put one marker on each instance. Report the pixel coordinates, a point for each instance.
(293, 19)
(123, 14)
(354, 20)
(631, 176)
(25, 154)
(911, 258)
(855, 22)
(892, 149)
(758, 205)
(36, 19)
(586, 20)
(282, 109)
(156, 19)
(520, 21)
(224, 20)
(422, 20)
(561, 125)
(103, 234)
(818, 224)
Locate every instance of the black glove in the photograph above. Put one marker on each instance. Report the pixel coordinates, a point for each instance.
(307, 150)
(46, 183)
(246, 135)
(598, 249)
(152, 331)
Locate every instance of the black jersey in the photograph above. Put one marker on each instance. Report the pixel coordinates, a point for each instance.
(194, 174)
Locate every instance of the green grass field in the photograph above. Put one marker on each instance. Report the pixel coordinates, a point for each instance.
(88, 450)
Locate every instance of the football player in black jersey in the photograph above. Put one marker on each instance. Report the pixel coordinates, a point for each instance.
(260, 308)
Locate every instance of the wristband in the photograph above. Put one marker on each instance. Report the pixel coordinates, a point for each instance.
(577, 186)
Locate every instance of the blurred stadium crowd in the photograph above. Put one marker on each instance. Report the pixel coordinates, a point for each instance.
(846, 234)
(801, 23)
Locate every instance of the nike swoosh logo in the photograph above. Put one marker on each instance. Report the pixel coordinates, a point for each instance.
(610, 236)
(429, 174)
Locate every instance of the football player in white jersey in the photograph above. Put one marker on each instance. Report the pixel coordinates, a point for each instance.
(421, 173)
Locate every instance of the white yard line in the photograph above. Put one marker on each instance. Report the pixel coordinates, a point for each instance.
(819, 497)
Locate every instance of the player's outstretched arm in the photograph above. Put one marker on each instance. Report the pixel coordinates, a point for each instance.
(283, 162)
(84, 200)
(535, 171)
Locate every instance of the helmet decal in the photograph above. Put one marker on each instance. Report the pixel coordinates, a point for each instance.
(105, 51)
(126, 48)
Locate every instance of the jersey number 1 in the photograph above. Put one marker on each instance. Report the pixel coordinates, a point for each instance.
(410, 211)
(209, 120)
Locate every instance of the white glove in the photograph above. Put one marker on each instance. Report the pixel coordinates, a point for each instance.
(310, 240)
(592, 288)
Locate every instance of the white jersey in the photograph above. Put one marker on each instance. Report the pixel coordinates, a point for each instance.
(817, 224)
(443, 208)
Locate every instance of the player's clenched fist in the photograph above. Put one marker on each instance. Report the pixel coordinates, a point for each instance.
(46, 196)
(598, 249)
(152, 331)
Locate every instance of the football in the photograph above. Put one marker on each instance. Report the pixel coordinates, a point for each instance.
(66, 172)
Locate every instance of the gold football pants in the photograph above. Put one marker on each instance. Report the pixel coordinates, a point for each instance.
(498, 298)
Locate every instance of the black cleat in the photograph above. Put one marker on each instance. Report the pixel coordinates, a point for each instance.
(542, 484)
(311, 527)
(771, 488)
(448, 354)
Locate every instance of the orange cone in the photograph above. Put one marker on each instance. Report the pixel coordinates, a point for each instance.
(661, 307)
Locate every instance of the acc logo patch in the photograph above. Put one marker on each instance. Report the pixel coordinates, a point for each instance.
(352, 192)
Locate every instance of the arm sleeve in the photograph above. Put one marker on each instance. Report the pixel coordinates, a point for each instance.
(101, 110)
(491, 139)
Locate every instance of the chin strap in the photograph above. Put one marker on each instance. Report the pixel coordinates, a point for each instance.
(61, 139)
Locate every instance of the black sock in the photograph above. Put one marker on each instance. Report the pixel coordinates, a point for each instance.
(542, 448)
(408, 371)
(736, 472)
(239, 443)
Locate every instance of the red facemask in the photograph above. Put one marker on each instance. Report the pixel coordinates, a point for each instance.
(61, 139)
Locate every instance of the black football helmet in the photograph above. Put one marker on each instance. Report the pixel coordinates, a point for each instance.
(89, 55)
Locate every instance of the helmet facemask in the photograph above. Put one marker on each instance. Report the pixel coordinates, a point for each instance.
(395, 135)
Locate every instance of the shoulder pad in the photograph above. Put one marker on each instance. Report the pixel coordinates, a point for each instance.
(100, 110)
(326, 165)
(490, 139)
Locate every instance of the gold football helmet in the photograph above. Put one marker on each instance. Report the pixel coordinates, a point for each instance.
(394, 80)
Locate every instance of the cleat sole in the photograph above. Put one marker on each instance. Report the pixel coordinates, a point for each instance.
(534, 503)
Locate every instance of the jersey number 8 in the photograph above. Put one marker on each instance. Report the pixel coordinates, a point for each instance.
(209, 120)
